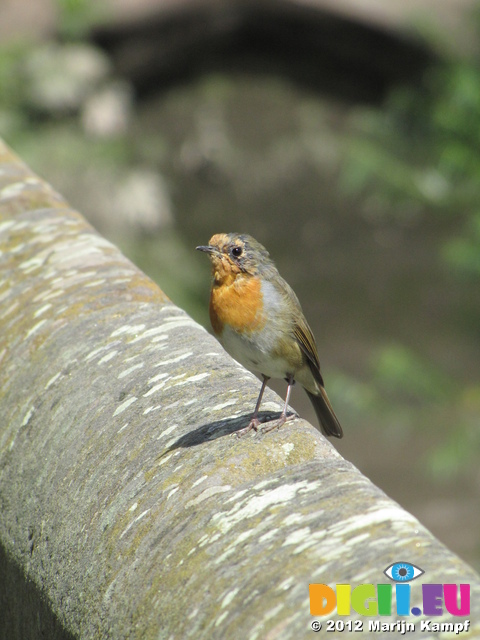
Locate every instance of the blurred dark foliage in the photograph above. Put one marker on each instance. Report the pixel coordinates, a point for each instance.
(418, 156)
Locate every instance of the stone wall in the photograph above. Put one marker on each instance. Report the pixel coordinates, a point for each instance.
(128, 510)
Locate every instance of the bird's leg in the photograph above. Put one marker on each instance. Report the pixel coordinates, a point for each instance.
(283, 418)
(254, 422)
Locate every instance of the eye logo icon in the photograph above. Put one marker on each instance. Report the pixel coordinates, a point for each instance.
(380, 600)
(403, 572)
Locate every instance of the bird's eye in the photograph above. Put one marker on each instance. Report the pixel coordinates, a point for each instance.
(237, 252)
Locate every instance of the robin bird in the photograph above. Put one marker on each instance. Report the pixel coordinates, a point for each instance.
(257, 318)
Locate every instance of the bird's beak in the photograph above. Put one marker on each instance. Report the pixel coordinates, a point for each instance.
(207, 249)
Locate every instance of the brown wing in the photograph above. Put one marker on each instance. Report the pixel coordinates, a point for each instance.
(324, 410)
(301, 331)
(305, 339)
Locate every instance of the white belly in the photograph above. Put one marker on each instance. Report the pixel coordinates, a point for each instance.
(254, 357)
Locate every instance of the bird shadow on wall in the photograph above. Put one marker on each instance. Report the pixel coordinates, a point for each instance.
(218, 429)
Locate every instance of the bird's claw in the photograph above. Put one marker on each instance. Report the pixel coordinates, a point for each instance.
(278, 423)
(271, 424)
(253, 424)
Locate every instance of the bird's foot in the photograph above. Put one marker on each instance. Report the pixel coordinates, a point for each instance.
(253, 424)
(278, 423)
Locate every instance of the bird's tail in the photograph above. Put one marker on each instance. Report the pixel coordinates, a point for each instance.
(325, 413)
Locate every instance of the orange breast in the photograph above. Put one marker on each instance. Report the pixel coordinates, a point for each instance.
(238, 304)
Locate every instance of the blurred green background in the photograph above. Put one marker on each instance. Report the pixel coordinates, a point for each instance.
(370, 208)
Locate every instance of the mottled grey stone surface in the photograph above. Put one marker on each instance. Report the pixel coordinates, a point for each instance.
(127, 509)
